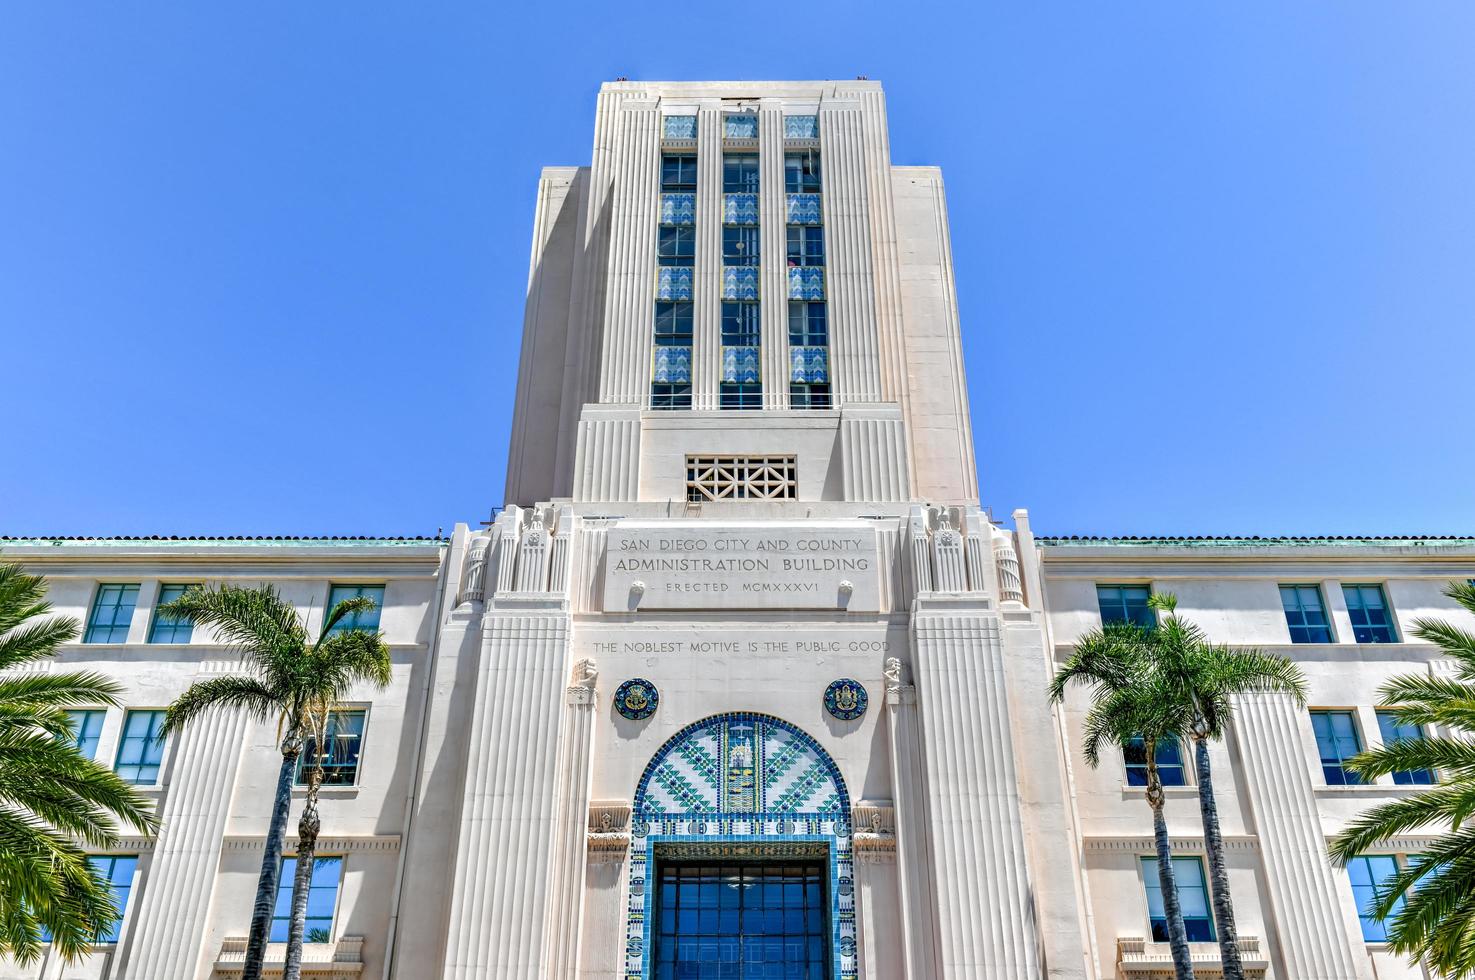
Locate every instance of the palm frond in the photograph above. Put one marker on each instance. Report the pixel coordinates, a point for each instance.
(1433, 807)
(257, 622)
(1453, 756)
(23, 644)
(345, 607)
(230, 691)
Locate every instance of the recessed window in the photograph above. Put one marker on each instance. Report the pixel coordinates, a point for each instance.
(1336, 742)
(673, 324)
(1372, 621)
(141, 749)
(741, 326)
(340, 754)
(739, 245)
(740, 173)
(168, 629)
(1372, 877)
(667, 397)
(740, 395)
(801, 172)
(1394, 731)
(1305, 614)
(117, 871)
(1193, 899)
(86, 729)
(1125, 604)
(677, 245)
(806, 245)
(112, 611)
(808, 325)
(816, 396)
(741, 478)
(368, 619)
(678, 172)
(1170, 768)
(322, 900)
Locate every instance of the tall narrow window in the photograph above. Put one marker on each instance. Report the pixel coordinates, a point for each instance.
(1193, 899)
(1372, 875)
(112, 611)
(1394, 731)
(670, 381)
(679, 172)
(1336, 742)
(1170, 768)
(677, 246)
(801, 172)
(168, 629)
(117, 871)
(141, 750)
(366, 620)
(1305, 614)
(340, 752)
(1372, 622)
(806, 245)
(739, 245)
(740, 173)
(86, 729)
(671, 378)
(1125, 604)
(322, 900)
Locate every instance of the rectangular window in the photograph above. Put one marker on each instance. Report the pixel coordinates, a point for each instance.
(322, 900)
(809, 396)
(739, 245)
(141, 750)
(86, 729)
(118, 872)
(679, 172)
(1305, 614)
(166, 629)
(808, 325)
(1336, 742)
(1170, 768)
(1394, 730)
(1372, 622)
(112, 611)
(801, 172)
(368, 621)
(740, 173)
(1193, 899)
(676, 246)
(669, 397)
(1125, 604)
(340, 760)
(1371, 875)
(740, 395)
(806, 245)
(673, 324)
(740, 325)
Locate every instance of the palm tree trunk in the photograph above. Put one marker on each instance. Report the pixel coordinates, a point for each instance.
(1218, 873)
(307, 843)
(271, 861)
(1177, 934)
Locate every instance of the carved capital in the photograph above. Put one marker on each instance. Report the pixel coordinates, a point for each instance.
(609, 830)
(875, 826)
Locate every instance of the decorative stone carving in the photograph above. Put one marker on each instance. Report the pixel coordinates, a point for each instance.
(532, 556)
(875, 826)
(473, 575)
(609, 829)
(948, 571)
(581, 682)
(1006, 561)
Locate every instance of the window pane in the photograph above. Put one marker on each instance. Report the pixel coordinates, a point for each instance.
(1193, 899)
(112, 611)
(1372, 622)
(1370, 876)
(322, 899)
(1336, 742)
(166, 629)
(1305, 616)
(1125, 604)
(86, 730)
(141, 749)
(1393, 731)
(740, 173)
(344, 743)
(368, 620)
(118, 871)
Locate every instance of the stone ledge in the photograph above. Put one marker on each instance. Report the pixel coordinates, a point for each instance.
(1141, 959)
(342, 960)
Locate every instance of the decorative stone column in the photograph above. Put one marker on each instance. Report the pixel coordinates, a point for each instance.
(1298, 875)
(566, 898)
(877, 892)
(168, 933)
(504, 856)
(914, 879)
(986, 922)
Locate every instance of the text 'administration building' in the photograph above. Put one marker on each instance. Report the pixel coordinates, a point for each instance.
(742, 682)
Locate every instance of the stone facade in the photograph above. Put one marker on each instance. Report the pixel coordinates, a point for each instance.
(776, 633)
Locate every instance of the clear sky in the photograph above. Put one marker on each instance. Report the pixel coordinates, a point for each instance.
(262, 265)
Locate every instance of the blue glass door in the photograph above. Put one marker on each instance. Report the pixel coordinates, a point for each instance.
(745, 921)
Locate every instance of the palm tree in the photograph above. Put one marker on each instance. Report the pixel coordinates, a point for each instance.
(299, 683)
(1115, 662)
(54, 803)
(1200, 681)
(1437, 892)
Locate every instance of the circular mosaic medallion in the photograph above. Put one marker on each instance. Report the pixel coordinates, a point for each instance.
(636, 699)
(846, 699)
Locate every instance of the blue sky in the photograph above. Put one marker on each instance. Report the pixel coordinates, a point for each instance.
(262, 265)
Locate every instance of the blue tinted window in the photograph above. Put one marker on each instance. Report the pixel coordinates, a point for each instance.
(1371, 875)
(676, 246)
(679, 172)
(808, 326)
(322, 900)
(1336, 742)
(741, 920)
(166, 629)
(1372, 621)
(1193, 899)
(141, 750)
(340, 760)
(1394, 730)
(1305, 614)
(739, 173)
(119, 873)
(806, 245)
(87, 730)
(740, 325)
(801, 172)
(360, 620)
(112, 611)
(1125, 604)
(1170, 768)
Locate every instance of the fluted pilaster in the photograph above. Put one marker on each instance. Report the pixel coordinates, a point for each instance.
(855, 367)
(914, 865)
(706, 350)
(629, 309)
(174, 900)
(986, 923)
(566, 898)
(773, 255)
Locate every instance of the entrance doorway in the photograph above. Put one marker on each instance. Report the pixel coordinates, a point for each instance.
(750, 920)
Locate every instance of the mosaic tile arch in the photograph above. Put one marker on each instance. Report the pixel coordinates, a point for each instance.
(749, 779)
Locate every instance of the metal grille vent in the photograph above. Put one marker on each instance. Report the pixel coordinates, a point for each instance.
(741, 478)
